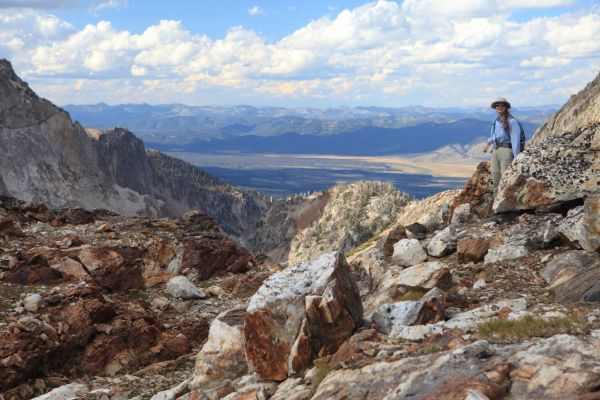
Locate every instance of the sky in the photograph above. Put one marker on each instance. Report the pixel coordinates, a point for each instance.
(325, 53)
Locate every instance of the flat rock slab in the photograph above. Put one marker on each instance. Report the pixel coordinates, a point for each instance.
(505, 252)
(560, 367)
(301, 313)
(574, 276)
(426, 275)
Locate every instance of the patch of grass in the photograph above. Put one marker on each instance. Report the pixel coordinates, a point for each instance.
(411, 294)
(363, 246)
(320, 374)
(428, 349)
(526, 327)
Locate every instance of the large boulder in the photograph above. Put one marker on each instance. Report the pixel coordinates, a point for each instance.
(222, 356)
(574, 276)
(301, 313)
(554, 171)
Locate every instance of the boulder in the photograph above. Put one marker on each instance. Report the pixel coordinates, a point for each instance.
(442, 244)
(409, 252)
(212, 253)
(582, 225)
(69, 268)
(413, 312)
(472, 250)
(300, 313)
(181, 287)
(33, 302)
(426, 275)
(505, 252)
(461, 214)
(222, 356)
(468, 319)
(551, 172)
(416, 231)
(574, 276)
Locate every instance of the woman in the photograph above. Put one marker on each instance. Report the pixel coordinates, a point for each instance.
(505, 137)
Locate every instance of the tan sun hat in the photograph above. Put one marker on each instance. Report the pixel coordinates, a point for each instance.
(500, 100)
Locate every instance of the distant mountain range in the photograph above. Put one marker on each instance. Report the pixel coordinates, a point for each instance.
(188, 125)
(365, 141)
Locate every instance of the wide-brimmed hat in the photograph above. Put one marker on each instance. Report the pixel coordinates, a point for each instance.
(500, 100)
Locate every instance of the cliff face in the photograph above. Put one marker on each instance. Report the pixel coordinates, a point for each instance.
(580, 111)
(48, 158)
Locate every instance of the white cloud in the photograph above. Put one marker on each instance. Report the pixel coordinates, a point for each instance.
(380, 52)
(108, 4)
(256, 10)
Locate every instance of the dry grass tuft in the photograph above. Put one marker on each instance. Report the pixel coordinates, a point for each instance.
(526, 327)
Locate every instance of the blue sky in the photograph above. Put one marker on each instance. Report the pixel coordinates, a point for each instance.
(310, 53)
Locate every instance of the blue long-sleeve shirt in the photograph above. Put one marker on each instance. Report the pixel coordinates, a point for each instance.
(498, 133)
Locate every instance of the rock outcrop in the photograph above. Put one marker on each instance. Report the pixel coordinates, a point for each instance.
(580, 111)
(353, 214)
(554, 171)
(299, 314)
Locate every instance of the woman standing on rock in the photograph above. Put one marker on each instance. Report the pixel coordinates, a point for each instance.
(505, 136)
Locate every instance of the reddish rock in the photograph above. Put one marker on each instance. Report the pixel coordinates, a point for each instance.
(114, 268)
(244, 285)
(34, 269)
(477, 191)
(8, 228)
(299, 314)
(213, 253)
(472, 250)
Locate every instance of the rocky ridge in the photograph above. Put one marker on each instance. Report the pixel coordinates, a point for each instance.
(353, 214)
(48, 158)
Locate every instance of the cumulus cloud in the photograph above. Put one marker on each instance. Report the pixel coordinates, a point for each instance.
(256, 10)
(381, 52)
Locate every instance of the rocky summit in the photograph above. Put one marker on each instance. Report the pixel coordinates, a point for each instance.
(474, 294)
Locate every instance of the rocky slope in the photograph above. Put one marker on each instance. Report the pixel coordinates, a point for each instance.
(467, 296)
(98, 294)
(580, 111)
(353, 214)
(50, 159)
